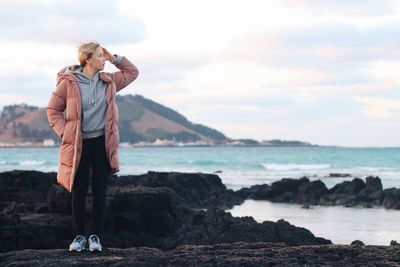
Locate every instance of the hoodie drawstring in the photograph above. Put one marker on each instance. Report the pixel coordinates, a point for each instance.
(92, 101)
(95, 95)
(90, 90)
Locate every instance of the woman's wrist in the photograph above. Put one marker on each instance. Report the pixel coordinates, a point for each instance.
(117, 59)
(112, 57)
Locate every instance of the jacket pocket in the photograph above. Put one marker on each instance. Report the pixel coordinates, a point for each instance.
(68, 135)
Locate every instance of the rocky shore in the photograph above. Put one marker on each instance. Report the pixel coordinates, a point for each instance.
(368, 193)
(161, 210)
(178, 219)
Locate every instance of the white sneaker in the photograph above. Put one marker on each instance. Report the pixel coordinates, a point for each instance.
(94, 243)
(78, 244)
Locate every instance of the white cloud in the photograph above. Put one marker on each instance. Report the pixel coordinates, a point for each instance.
(386, 71)
(380, 107)
(66, 22)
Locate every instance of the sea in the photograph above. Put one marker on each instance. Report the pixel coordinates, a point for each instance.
(240, 167)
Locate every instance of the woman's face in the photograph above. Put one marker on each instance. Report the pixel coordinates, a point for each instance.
(97, 60)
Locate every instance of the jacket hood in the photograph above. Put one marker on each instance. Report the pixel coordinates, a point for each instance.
(64, 73)
(77, 71)
(74, 73)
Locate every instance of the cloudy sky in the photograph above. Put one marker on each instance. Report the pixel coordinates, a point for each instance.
(321, 71)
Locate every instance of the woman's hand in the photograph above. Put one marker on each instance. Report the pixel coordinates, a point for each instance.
(107, 55)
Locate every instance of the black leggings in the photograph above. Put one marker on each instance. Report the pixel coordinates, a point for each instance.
(93, 153)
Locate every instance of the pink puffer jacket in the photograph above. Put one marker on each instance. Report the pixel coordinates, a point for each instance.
(67, 98)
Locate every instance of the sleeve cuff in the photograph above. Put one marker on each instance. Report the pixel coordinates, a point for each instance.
(117, 59)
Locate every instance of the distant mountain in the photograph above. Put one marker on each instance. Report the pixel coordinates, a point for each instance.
(140, 119)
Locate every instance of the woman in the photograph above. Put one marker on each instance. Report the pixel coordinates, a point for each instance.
(89, 132)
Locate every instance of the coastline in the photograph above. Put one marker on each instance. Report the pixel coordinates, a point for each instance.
(37, 206)
(355, 193)
(192, 212)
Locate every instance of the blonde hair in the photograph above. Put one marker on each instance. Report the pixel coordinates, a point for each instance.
(86, 50)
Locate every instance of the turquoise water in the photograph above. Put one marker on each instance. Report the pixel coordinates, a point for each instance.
(237, 166)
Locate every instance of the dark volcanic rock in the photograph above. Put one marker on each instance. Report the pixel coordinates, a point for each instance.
(391, 198)
(293, 235)
(34, 231)
(347, 193)
(338, 200)
(300, 191)
(286, 185)
(225, 255)
(198, 189)
(373, 184)
(155, 211)
(344, 193)
(259, 191)
(355, 192)
(339, 175)
(348, 187)
(284, 190)
(25, 186)
(373, 191)
(357, 243)
(311, 192)
(59, 200)
(140, 211)
(24, 191)
(216, 226)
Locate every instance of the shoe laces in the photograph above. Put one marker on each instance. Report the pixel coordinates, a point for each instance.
(94, 239)
(79, 238)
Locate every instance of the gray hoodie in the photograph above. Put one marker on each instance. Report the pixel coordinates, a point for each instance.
(94, 102)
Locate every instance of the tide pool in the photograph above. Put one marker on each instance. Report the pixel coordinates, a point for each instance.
(373, 226)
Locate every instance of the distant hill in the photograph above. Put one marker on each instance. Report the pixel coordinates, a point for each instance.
(23, 123)
(149, 120)
(140, 119)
